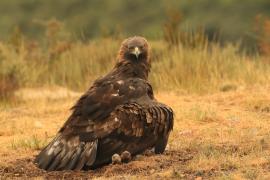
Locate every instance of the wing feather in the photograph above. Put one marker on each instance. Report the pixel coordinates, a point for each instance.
(108, 118)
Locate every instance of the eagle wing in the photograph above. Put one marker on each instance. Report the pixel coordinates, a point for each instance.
(109, 110)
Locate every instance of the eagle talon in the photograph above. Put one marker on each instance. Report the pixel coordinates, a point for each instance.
(149, 152)
(116, 159)
(126, 156)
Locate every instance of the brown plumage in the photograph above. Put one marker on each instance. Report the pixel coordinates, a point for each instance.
(118, 113)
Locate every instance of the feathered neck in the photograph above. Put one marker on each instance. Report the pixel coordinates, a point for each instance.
(128, 69)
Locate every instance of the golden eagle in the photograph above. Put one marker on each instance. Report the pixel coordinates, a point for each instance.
(117, 114)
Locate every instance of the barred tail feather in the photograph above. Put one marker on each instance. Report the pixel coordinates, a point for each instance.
(62, 154)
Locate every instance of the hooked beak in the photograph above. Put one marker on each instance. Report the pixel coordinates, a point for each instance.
(136, 52)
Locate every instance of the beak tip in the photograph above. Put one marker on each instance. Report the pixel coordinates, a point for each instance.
(137, 52)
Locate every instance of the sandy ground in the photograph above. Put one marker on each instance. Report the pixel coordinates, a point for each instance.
(225, 135)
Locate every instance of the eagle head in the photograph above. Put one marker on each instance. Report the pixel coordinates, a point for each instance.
(135, 49)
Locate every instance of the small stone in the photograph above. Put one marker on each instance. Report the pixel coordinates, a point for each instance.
(139, 157)
(168, 147)
(182, 175)
(152, 171)
(116, 159)
(125, 156)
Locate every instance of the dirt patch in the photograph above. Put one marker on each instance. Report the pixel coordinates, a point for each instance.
(143, 165)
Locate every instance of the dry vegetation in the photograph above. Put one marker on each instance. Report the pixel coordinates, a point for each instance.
(190, 63)
(220, 96)
(219, 136)
(262, 29)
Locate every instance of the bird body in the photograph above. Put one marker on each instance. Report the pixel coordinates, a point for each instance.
(118, 113)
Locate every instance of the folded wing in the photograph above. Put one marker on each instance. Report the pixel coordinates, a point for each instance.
(108, 120)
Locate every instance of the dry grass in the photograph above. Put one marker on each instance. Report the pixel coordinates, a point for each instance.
(221, 136)
(204, 68)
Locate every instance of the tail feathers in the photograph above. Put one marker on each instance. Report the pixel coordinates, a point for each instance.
(62, 154)
(161, 144)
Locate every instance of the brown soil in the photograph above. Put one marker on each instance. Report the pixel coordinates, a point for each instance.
(143, 166)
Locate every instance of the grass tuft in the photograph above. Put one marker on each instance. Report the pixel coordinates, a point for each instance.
(33, 143)
(195, 66)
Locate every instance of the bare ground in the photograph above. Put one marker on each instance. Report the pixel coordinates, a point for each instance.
(225, 135)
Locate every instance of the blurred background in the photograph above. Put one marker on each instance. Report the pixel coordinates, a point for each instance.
(198, 46)
(230, 20)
